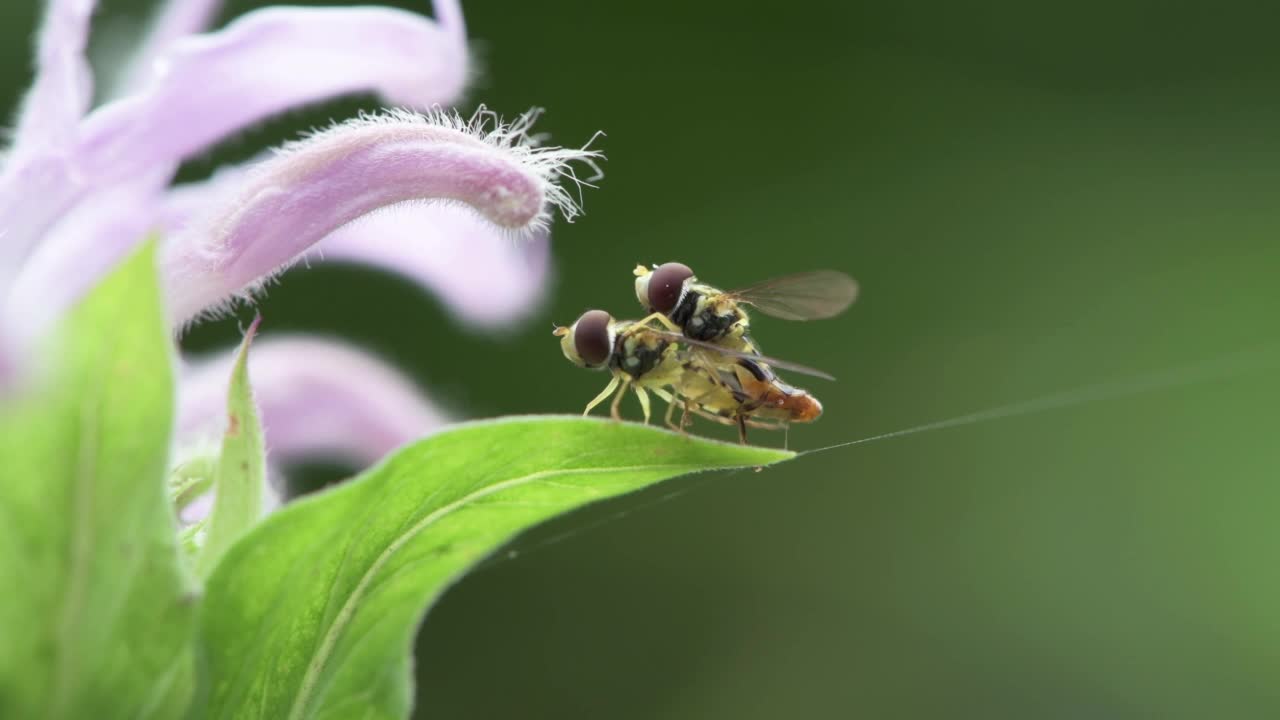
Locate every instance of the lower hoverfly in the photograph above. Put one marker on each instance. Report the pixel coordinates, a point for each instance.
(706, 313)
(723, 385)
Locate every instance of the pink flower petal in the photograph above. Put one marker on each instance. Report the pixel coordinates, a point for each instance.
(318, 185)
(77, 251)
(63, 85)
(483, 275)
(46, 124)
(267, 61)
(172, 21)
(12, 362)
(316, 397)
(209, 86)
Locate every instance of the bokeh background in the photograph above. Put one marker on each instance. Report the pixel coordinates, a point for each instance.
(1035, 197)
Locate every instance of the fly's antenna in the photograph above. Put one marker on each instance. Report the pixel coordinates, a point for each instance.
(559, 330)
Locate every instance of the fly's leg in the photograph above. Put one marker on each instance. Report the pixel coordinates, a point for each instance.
(721, 419)
(742, 429)
(644, 401)
(666, 322)
(759, 424)
(671, 406)
(617, 400)
(604, 395)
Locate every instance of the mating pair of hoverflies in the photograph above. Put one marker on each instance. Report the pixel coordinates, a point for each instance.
(693, 350)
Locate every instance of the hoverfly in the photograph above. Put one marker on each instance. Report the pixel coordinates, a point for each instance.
(709, 314)
(714, 382)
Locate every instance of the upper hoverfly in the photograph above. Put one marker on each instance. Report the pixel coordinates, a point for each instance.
(714, 382)
(706, 313)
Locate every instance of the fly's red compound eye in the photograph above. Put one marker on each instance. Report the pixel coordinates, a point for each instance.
(666, 285)
(591, 337)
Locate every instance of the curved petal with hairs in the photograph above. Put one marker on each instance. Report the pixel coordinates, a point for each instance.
(268, 61)
(420, 192)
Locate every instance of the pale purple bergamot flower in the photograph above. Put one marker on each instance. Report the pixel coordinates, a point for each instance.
(460, 206)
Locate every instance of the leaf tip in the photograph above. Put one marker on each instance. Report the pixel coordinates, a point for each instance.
(250, 333)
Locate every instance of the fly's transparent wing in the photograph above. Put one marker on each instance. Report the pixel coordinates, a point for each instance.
(770, 361)
(802, 296)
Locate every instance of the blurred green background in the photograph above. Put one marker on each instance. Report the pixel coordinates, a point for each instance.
(1035, 197)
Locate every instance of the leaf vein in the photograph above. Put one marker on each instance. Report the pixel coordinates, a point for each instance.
(321, 657)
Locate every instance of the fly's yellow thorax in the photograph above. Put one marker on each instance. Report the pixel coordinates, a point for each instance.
(721, 303)
(646, 356)
(713, 316)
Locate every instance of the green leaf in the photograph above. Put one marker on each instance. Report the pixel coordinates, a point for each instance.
(97, 618)
(241, 469)
(312, 614)
(191, 479)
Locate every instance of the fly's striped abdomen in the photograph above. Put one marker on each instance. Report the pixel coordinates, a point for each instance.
(766, 396)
